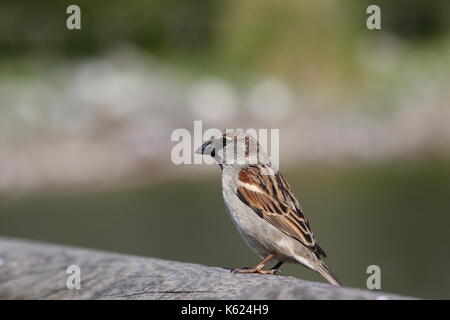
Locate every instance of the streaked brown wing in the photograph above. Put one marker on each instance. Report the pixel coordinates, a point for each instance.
(271, 198)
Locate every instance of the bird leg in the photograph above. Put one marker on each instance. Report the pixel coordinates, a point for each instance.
(259, 267)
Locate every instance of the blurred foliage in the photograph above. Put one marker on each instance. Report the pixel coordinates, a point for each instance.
(317, 43)
(159, 26)
(416, 20)
(284, 31)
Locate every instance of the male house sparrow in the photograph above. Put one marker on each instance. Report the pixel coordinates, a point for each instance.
(263, 207)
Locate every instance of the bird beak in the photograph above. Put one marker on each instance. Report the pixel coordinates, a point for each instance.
(202, 149)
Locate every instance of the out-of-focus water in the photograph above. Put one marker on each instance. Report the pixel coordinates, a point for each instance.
(394, 216)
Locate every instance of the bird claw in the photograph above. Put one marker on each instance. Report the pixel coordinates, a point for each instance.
(254, 270)
(275, 271)
(241, 270)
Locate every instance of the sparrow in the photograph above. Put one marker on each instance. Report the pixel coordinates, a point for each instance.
(263, 207)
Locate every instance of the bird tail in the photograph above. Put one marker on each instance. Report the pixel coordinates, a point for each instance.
(325, 272)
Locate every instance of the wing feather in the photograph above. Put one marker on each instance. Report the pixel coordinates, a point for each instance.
(272, 199)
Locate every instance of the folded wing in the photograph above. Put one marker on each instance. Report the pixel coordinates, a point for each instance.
(271, 198)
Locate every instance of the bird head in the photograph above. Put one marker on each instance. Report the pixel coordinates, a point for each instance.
(234, 148)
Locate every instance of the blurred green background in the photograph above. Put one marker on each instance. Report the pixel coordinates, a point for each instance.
(86, 118)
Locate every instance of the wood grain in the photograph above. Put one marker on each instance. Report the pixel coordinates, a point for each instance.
(31, 270)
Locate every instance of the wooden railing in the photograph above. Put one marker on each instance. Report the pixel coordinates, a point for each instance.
(31, 270)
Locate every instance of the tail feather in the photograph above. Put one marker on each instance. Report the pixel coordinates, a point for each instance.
(320, 267)
(328, 275)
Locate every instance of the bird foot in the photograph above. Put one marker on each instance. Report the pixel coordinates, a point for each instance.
(254, 270)
(275, 271)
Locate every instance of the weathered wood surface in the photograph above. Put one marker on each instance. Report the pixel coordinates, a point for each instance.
(30, 270)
